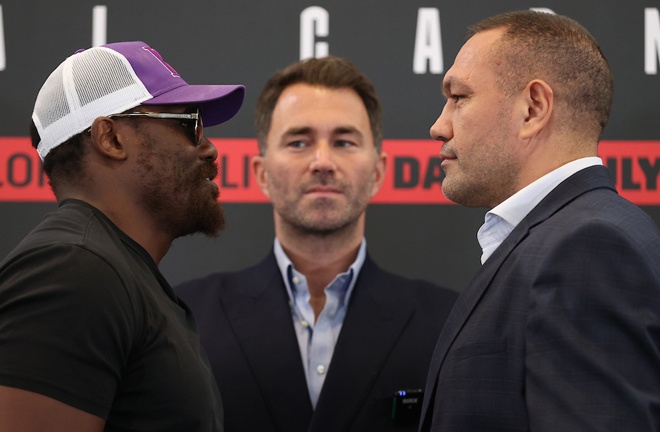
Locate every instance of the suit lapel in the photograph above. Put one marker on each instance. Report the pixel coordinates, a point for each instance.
(583, 181)
(372, 325)
(462, 309)
(270, 345)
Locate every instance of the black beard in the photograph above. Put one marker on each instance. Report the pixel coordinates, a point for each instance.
(185, 206)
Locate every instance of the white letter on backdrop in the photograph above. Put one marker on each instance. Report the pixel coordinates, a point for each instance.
(651, 40)
(99, 25)
(3, 53)
(542, 9)
(428, 42)
(314, 21)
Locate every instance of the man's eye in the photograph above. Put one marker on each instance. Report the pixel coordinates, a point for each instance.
(343, 143)
(296, 144)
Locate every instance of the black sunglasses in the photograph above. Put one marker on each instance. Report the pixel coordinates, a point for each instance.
(195, 133)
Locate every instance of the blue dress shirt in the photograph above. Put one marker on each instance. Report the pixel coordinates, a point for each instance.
(317, 338)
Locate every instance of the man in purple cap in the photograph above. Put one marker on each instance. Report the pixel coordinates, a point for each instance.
(92, 337)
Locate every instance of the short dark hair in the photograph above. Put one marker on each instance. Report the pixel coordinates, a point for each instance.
(563, 53)
(64, 163)
(331, 72)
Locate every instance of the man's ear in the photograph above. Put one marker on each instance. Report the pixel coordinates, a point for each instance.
(379, 172)
(107, 139)
(259, 170)
(539, 105)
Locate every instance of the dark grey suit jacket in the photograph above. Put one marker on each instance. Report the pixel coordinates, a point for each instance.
(559, 330)
(385, 345)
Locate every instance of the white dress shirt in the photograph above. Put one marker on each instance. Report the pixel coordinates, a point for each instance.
(502, 219)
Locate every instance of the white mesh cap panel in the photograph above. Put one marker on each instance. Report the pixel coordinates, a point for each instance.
(53, 92)
(90, 84)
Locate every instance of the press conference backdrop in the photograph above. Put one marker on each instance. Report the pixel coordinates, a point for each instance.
(403, 46)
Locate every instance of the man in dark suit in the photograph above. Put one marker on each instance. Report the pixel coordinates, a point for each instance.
(317, 337)
(559, 330)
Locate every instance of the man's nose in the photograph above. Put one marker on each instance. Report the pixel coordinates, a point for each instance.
(442, 129)
(323, 157)
(207, 150)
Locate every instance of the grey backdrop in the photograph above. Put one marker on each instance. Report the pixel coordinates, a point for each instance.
(244, 41)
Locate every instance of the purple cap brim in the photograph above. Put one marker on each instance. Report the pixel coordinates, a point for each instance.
(218, 103)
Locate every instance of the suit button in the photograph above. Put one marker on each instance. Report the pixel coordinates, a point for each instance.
(320, 369)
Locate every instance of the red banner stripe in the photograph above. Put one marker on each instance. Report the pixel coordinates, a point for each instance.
(413, 173)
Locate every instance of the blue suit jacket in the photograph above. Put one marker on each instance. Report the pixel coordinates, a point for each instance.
(385, 344)
(560, 328)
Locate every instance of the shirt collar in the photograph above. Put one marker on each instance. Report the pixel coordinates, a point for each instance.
(285, 265)
(502, 219)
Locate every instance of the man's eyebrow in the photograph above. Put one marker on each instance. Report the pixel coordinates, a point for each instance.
(346, 130)
(453, 85)
(447, 85)
(298, 130)
(306, 130)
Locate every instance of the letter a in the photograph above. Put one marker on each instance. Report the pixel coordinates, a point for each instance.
(428, 42)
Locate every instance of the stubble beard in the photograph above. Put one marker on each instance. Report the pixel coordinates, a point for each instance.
(323, 217)
(489, 177)
(485, 188)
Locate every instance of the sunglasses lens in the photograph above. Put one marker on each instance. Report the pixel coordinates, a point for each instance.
(199, 129)
(194, 129)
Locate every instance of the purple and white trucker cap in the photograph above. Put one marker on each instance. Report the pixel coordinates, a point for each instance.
(116, 77)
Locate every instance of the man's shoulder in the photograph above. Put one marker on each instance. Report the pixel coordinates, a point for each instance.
(604, 209)
(374, 270)
(416, 288)
(74, 228)
(224, 281)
